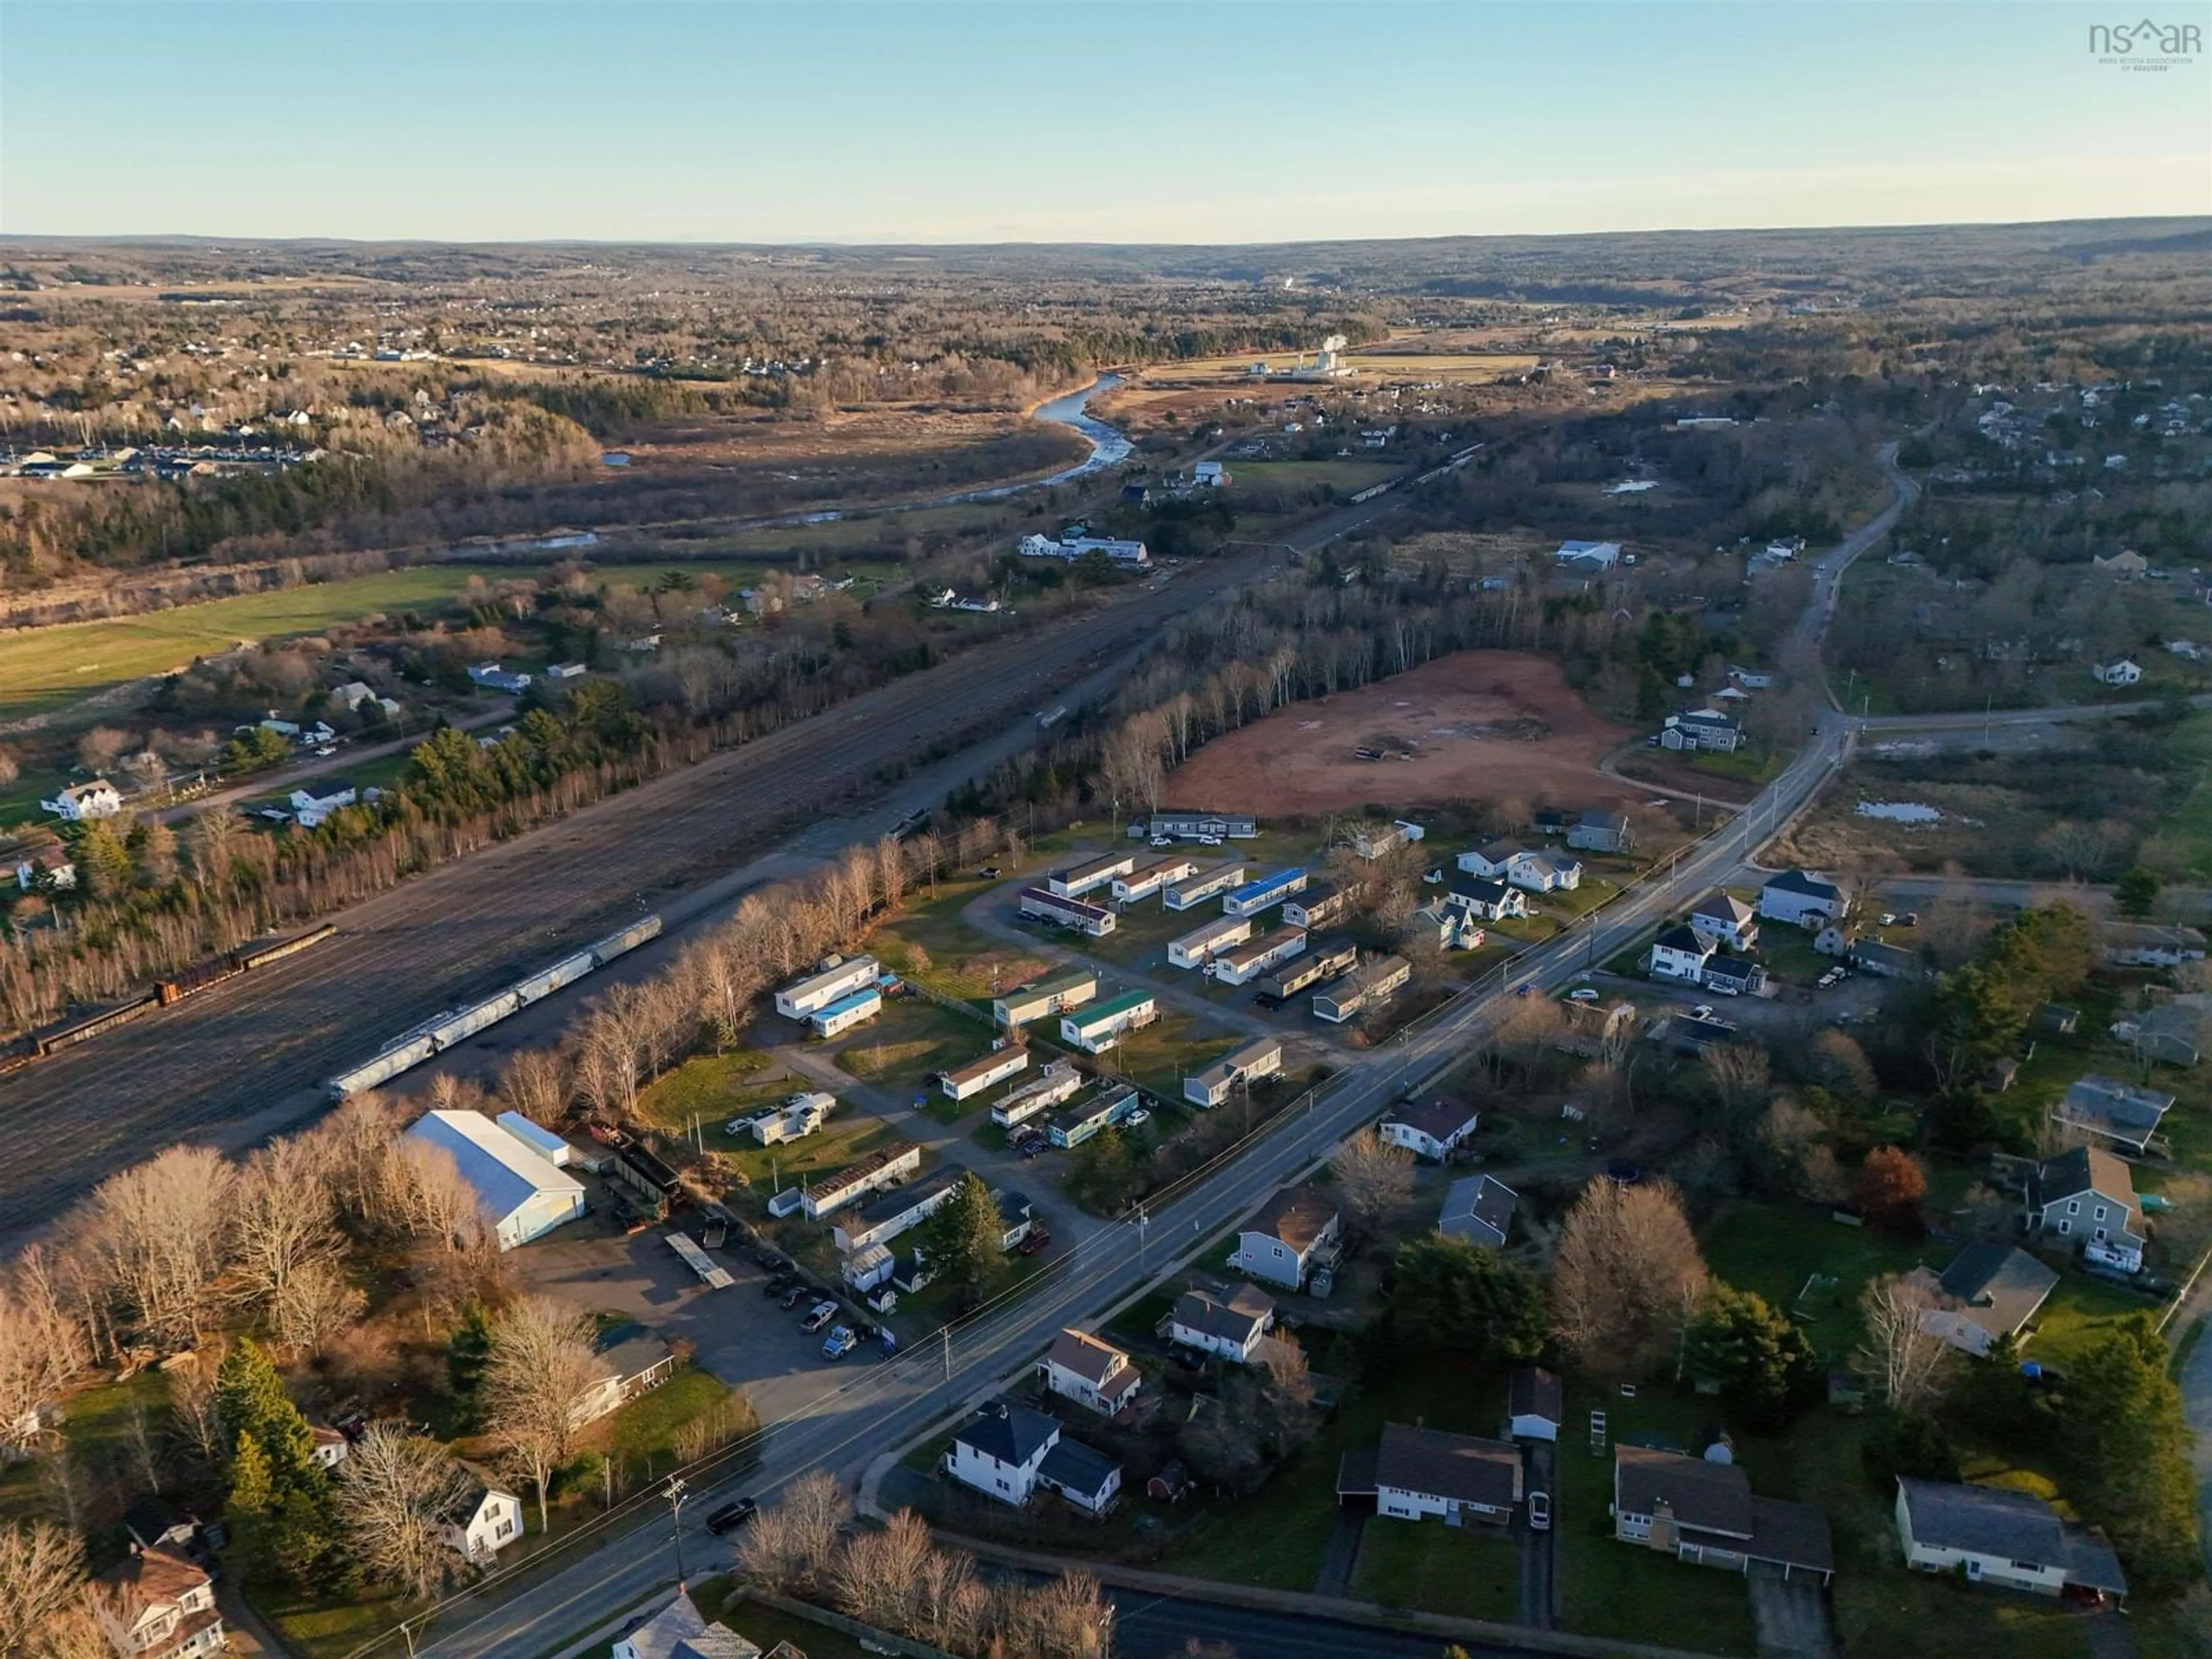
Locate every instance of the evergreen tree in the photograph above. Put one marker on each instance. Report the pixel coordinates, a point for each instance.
(1766, 1370)
(280, 1502)
(466, 1352)
(964, 1241)
(103, 863)
(2129, 1446)
(1448, 1293)
(1102, 1174)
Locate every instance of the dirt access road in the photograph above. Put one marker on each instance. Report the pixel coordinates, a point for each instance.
(1497, 725)
(249, 1060)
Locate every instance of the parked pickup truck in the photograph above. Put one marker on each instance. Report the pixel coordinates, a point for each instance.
(819, 1315)
(838, 1343)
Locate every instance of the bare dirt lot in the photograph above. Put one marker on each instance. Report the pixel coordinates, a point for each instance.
(1494, 725)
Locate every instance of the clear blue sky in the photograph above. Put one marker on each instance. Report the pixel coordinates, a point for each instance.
(755, 120)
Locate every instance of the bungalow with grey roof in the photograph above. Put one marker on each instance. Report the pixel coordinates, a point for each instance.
(2121, 1113)
(1990, 1535)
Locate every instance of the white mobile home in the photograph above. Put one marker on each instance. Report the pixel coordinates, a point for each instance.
(1195, 948)
(818, 990)
(1264, 894)
(1195, 889)
(1369, 987)
(1076, 880)
(1153, 876)
(885, 1167)
(1262, 1057)
(1055, 995)
(966, 1082)
(1058, 1082)
(842, 1015)
(1041, 905)
(1244, 962)
(1099, 1028)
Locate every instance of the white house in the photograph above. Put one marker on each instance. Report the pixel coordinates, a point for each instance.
(836, 1019)
(1422, 1472)
(1491, 901)
(885, 1167)
(1804, 897)
(1198, 947)
(1011, 1452)
(1209, 475)
(520, 1193)
(1702, 729)
(1432, 1130)
(1535, 1404)
(1242, 963)
(159, 1605)
(81, 802)
(2120, 673)
(1544, 872)
(1990, 1535)
(1229, 1328)
(1095, 1374)
(1262, 1057)
(49, 865)
(331, 1448)
(680, 1631)
(1723, 919)
(1295, 1231)
(483, 1521)
(315, 801)
(1679, 952)
(1596, 555)
(1099, 1027)
(1492, 860)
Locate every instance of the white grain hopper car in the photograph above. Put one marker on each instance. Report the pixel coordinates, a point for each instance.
(436, 1035)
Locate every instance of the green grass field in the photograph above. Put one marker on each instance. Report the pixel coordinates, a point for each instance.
(1344, 477)
(1467, 1572)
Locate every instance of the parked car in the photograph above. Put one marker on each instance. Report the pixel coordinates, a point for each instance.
(1140, 1115)
(1889, 919)
(731, 1516)
(1702, 1011)
(1036, 1148)
(780, 1286)
(988, 873)
(1584, 993)
(773, 1261)
(797, 1294)
(819, 1315)
(1539, 1511)
(838, 1343)
(1035, 1242)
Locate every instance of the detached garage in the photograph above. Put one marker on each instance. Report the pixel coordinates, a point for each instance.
(521, 1194)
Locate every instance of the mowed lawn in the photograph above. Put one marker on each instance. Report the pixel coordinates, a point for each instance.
(46, 667)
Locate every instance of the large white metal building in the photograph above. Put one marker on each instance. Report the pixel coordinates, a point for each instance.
(522, 1195)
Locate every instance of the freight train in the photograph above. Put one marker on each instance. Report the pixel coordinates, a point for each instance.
(440, 1032)
(188, 982)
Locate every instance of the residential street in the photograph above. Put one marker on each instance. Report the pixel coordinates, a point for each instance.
(863, 1416)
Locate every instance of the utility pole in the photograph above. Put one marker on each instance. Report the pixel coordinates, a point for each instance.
(1144, 1222)
(948, 1352)
(676, 1493)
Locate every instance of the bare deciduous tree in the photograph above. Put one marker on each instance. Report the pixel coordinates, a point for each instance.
(535, 1083)
(1902, 1344)
(1627, 1273)
(153, 1235)
(41, 1580)
(314, 1303)
(43, 1348)
(1374, 1178)
(539, 1376)
(394, 1489)
(283, 1220)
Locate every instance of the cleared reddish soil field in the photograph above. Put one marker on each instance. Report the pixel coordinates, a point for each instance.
(1493, 725)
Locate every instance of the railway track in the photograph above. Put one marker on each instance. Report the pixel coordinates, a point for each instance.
(244, 1061)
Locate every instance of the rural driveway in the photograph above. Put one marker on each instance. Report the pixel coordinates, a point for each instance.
(1792, 1615)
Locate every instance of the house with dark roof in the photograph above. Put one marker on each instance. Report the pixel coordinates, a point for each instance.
(1479, 1209)
(1430, 1129)
(1082, 1476)
(1701, 729)
(1733, 976)
(1991, 1290)
(1491, 901)
(999, 1452)
(1871, 956)
(1420, 1472)
(2087, 1197)
(1535, 1404)
(484, 1520)
(1681, 953)
(1228, 1327)
(1295, 1231)
(1987, 1535)
(2149, 945)
(157, 1604)
(1807, 899)
(2109, 1109)
(1704, 1511)
(1492, 859)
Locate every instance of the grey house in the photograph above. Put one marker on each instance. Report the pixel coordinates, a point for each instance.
(1602, 829)
(1802, 897)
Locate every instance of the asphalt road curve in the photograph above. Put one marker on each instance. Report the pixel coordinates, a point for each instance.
(249, 1060)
